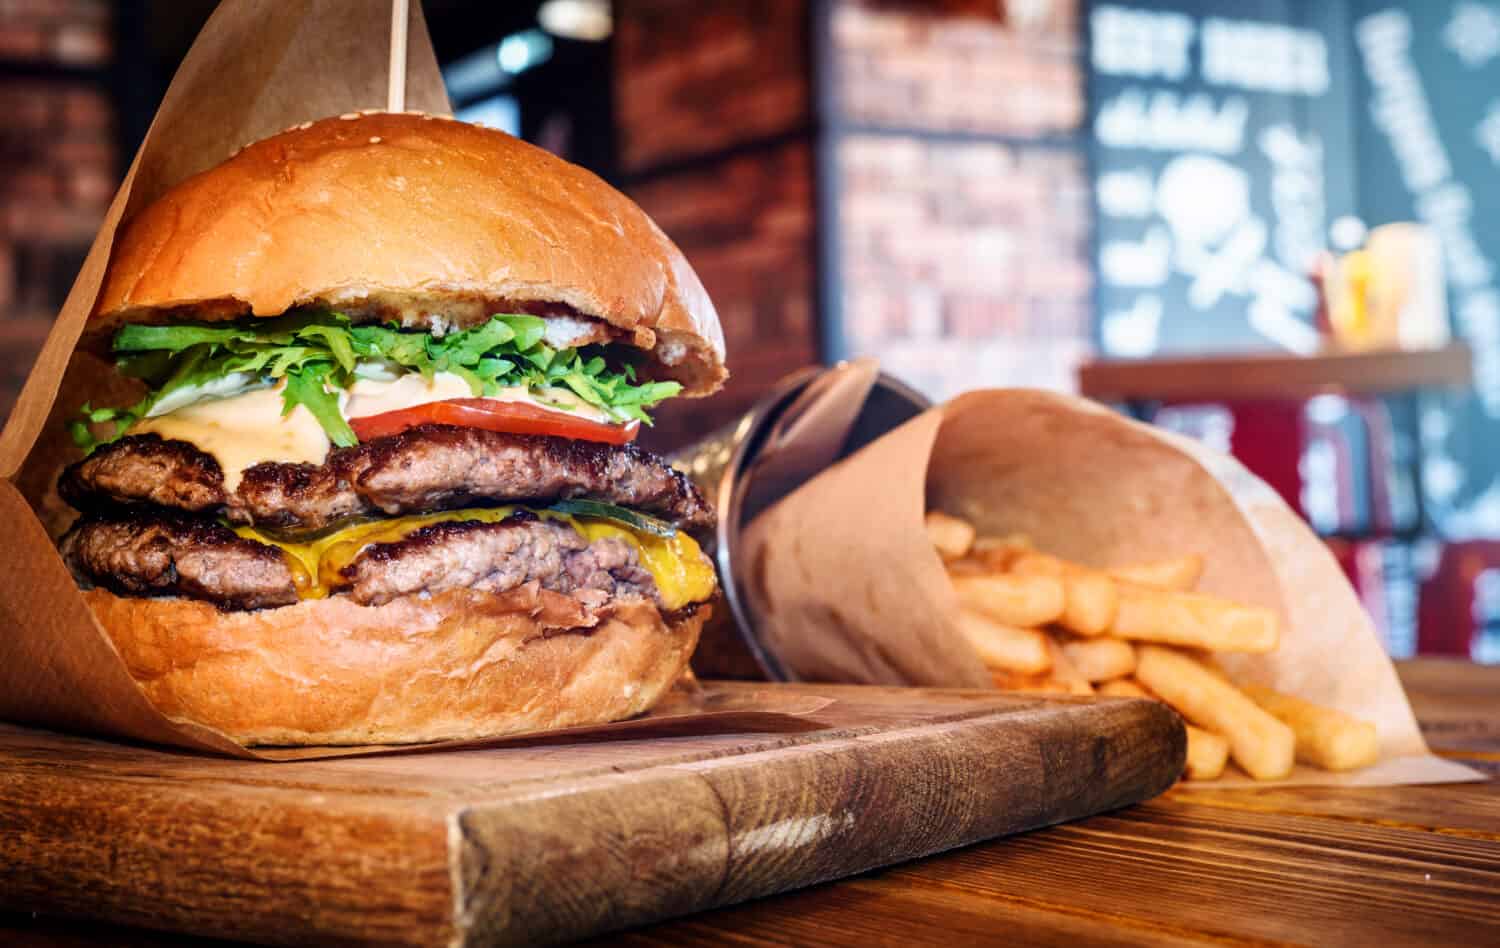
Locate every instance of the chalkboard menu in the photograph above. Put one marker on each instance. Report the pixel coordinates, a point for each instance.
(1428, 144)
(1222, 133)
(1228, 136)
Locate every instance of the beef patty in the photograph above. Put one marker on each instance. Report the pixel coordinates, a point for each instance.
(171, 554)
(423, 469)
(167, 554)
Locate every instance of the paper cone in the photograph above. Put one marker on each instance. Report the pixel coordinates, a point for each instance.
(809, 419)
(845, 586)
(257, 68)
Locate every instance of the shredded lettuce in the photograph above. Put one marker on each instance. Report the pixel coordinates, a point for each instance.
(320, 354)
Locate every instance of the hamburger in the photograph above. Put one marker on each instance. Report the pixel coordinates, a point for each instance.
(377, 480)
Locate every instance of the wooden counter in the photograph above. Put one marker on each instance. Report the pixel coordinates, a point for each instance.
(1275, 375)
(1394, 866)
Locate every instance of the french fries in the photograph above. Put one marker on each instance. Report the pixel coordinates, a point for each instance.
(968, 566)
(1206, 754)
(1194, 620)
(950, 536)
(1100, 659)
(1015, 681)
(1065, 672)
(1089, 597)
(1326, 738)
(1123, 688)
(1178, 575)
(998, 553)
(1259, 743)
(1004, 646)
(1025, 601)
(1044, 624)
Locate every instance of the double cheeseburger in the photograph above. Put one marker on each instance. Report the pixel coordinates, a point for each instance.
(378, 485)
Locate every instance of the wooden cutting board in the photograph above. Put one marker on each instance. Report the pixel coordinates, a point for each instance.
(552, 841)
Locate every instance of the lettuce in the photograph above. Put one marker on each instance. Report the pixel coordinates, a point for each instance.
(308, 387)
(319, 355)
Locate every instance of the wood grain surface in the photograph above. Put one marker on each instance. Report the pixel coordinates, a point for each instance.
(1306, 866)
(543, 842)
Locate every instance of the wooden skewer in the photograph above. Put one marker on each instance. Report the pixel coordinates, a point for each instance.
(395, 96)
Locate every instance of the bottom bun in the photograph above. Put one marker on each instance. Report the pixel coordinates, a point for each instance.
(458, 666)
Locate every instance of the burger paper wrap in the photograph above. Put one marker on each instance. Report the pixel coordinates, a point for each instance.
(845, 586)
(257, 68)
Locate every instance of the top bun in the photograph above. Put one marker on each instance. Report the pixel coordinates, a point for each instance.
(425, 220)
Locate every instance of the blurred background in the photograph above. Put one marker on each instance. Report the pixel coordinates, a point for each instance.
(1262, 223)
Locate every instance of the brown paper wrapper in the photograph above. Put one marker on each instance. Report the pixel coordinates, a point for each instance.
(845, 587)
(257, 68)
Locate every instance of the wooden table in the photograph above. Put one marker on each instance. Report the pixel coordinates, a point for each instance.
(1397, 866)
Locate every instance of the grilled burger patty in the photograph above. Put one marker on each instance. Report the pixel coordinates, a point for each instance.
(423, 469)
(171, 554)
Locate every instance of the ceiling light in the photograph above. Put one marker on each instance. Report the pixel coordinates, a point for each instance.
(588, 20)
(519, 52)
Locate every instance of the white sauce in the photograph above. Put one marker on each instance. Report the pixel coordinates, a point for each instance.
(373, 397)
(244, 430)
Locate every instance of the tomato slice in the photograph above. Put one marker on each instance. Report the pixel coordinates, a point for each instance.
(492, 415)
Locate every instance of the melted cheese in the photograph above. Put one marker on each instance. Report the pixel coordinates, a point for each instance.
(246, 429)
(243, 431)
(682, 573)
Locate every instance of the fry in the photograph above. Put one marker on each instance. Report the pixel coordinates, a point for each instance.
(1194, 620)
(1003, 646)
(1089, 596)
(1259, 743)
(1100, 659)
(1024, 601)
(1015, 681)
(950, 536)
(998, 552)
(1179, 574)
(1123, 688)
(1326, 738)
(1206, 754)
(1065, 672)
(968, 566)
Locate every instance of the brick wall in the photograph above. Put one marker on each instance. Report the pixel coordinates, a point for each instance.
(58, 165)
(965, 264)
(694, 78)
(963, 194)
(712, 106)
(746, 225)
(950, 67)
